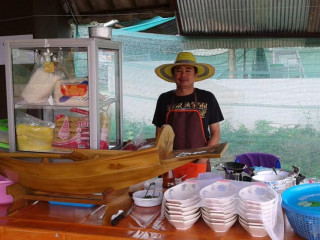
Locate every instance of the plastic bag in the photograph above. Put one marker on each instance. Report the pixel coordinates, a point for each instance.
(136, 143)
(105, 123)
(71, 92)
(43, 79)
(33, 134)
(72, 129)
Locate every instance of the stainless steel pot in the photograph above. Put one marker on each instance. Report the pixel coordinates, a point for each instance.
(100, 32)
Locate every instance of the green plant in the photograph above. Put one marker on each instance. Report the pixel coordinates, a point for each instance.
(296, 146)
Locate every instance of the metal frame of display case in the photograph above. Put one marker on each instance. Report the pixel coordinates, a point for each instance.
(92, 45)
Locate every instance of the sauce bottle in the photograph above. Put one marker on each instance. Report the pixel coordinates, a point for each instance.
(168, 179)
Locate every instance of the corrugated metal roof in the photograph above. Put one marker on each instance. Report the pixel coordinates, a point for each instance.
(283, 18)
(87, 11)
(248, 17)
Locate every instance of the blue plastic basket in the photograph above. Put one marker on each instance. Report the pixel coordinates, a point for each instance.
(305, 220)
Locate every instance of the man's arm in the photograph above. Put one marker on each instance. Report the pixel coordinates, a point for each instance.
(214, 134)
(157, 131)
(214, 139)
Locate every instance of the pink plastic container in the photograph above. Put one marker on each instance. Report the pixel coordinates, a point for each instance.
(4, 198)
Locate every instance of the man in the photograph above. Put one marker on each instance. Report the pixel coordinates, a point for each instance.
(194, 114)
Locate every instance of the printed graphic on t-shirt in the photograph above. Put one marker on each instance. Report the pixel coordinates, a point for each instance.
(202, 107)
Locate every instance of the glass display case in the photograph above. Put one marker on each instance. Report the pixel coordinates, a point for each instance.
(64, 94)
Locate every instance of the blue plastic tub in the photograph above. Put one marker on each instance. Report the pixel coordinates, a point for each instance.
(302, 206)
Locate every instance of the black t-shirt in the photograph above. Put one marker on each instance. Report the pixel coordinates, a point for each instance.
(208, 107)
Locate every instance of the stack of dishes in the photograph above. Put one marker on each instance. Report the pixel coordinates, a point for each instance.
(255, 209)
(219, 205)
(182, 208)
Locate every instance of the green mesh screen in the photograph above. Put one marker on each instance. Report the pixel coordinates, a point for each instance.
(268, 90)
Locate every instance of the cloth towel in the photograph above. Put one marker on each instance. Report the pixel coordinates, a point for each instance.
(252, 159)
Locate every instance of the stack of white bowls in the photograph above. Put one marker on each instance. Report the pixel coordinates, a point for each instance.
(219, 205)
(256, 205)
(182, 205)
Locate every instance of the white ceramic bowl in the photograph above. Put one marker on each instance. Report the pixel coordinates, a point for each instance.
(182, 193)
(182, 217)
(255, 223)
(258, 194)
(192, 202)
(214, 220)
(256, 209)
(219, 192)
(217, 215)
(179, 209)
(183, 225)
(209, 204)
(254, 231)
(254, 217)
(249, 205)
(184, 213)
(225, 210)
(220, 227)
(139, 200)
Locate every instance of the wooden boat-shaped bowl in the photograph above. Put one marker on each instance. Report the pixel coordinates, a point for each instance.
(95, 171)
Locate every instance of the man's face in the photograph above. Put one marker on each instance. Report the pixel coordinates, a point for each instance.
(184, 76)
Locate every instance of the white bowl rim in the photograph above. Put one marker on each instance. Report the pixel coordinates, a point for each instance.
(158, 192)
(230, 194)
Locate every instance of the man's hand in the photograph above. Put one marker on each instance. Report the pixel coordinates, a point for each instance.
(203, 160)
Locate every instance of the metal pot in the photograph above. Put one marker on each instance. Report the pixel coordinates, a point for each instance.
(233, 167)
(277, 182)
(232, 170)
(100, 32)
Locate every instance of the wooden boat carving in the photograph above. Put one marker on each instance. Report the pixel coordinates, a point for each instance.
(94, 171)
(88, 172)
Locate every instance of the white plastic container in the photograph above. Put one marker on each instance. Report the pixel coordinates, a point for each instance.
(139, 200)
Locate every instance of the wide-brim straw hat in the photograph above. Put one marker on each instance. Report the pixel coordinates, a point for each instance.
(185, 58)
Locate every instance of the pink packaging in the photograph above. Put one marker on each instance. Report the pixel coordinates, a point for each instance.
(72, 131)
(4, 198)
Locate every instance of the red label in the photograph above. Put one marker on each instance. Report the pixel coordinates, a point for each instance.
(74, 89)
(77, 110)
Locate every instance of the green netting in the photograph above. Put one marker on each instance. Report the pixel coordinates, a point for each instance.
(268, 90)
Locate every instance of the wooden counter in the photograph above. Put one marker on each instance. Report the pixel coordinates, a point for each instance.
(46, 221)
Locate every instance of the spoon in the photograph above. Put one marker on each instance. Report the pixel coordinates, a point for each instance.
(274, 169)
(180, 178)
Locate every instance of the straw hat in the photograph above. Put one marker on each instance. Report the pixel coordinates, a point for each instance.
(185, 58)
